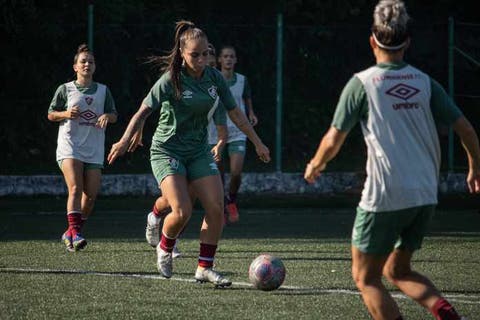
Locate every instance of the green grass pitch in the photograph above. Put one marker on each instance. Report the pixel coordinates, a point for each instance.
(115, 277)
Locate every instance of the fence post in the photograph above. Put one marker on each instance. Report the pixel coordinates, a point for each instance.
(451, 48)
(90, 25)
(278, 122)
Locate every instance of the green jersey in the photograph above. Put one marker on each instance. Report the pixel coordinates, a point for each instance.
(182, 123)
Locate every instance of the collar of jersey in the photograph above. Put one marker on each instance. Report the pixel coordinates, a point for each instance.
(186, 75)
(392, 65)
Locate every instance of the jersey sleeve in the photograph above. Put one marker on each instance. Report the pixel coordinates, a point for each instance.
(443, 108)
(352, 106)
(224, 91)
(247, 92)
(109, 102)
(157, 93)
(220, 116)
(59, 101)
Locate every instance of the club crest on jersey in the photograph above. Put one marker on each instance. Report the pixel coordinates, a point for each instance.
(187, 94)
(89, 100)
(212, 91)
(174, 163)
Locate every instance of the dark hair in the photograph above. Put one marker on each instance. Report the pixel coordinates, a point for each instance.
(391, 24)
(227, 46)
(172, 62)
(211, 50)
(83, 48)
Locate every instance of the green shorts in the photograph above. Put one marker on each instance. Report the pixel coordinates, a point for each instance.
(86, 165)
(239, 146)
(380, 232)
(166, 163)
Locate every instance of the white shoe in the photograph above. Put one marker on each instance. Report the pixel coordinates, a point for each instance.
(212, 276)
(152, 231)
(176, 253)
(164, 262)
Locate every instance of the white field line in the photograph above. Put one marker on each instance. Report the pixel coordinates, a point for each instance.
(454, 297)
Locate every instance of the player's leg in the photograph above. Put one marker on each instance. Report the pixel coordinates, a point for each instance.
(398, 270)
(92, 178)
(367, 274)
(175, 190)
(236, 152)
(160, 209)
(72, 170)
(209, 191)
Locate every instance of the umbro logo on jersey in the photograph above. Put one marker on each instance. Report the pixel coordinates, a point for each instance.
(212, 91)
(88, 115)
(402, 91)
(187, 94)
(89, 100)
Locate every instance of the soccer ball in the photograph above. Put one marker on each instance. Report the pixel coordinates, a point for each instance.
(266, 272)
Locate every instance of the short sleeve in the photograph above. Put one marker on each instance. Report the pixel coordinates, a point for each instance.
(59, 101)
(352, 106)
(247, 92)
(220, 116)
(224, 91)
(443, 108)
(157, 93)
(109, 102)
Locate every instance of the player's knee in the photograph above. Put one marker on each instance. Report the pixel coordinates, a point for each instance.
(182, 211)
(396, 272)
(75, 191)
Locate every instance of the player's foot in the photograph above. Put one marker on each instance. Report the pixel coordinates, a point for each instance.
(164, 262)
(209, 275)
(79, 242)
(176, 253)
(232, 212)
(152, 231)
(67, 240)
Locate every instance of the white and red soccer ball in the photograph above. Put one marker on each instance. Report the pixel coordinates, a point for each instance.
(266, 272)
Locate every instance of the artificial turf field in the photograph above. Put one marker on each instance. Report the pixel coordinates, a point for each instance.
(115, 277)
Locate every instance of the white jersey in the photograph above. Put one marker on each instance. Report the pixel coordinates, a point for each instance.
(234, 134)
(79, 138)
(403, 160)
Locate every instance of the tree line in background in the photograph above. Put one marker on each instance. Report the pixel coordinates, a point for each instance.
(325, 42)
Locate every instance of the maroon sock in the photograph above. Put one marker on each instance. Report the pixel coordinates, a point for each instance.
(166, 243)
(74, 219)
(161, 213)
(443, 310)
(207, 255)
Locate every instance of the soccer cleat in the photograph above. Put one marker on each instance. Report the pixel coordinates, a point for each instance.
(164, 262)
(152, 232)
(79, 242)
(176, 253)
(67, 239)
(209, 275)
(232, 212)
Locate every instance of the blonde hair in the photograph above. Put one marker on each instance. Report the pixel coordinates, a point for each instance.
(391, 27)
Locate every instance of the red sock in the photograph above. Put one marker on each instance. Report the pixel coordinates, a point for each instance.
(74, 222)
(207, 255)
(166, 243)
(443, 310)
(161, 213)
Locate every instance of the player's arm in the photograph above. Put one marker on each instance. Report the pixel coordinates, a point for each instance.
(58, 110)
(240, 120)
(134, 126)
(351, 107)
(469, 139)
(247, 98)
(331, 143)
(222, 134)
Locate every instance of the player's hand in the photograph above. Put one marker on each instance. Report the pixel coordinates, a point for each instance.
(473, 181)
(72, 113)
(217, 152)
(312, 172)
(135, 141)
(118, 149)
(102, 121)
(263, 152)
(253, 119)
